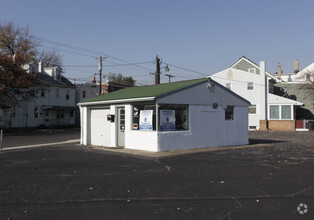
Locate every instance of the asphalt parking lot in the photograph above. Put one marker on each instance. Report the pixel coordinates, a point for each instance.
(272, 178)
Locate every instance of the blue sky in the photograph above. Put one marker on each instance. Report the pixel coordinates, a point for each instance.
(203, 35)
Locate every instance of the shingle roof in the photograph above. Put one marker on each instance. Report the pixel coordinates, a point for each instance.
(44, 78)
(146, 91)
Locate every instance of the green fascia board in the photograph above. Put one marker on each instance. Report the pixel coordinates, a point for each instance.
(145, 91)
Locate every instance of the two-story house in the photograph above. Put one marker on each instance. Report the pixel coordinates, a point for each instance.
(267, 111)
(53, 104)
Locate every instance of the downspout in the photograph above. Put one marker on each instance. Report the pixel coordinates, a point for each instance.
(157, 126)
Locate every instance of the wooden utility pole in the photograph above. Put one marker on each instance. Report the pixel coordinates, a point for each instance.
(157, 73)
(100, 70)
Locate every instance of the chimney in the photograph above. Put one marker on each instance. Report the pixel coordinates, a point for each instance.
(279, 70)
(296, 66)
(263, 91)
(94, 80)
(40, 67)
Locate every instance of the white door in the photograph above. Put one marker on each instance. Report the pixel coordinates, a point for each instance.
(99, 127)
(121, 126)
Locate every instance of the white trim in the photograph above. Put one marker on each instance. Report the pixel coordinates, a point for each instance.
(117, 101)
(244, 58)
(280, 112)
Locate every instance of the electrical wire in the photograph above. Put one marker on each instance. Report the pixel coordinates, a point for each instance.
(67, 51)
(112, 65)
(89, 51)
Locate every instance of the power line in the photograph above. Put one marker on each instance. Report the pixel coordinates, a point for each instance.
(90, 51)
(112, 65)
(204, 74)
(67, 51)
(218, 77)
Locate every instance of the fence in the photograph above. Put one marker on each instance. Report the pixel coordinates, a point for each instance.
(305, 124)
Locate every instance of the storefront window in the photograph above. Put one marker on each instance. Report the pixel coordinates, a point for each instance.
(150, 117)
(173, 117)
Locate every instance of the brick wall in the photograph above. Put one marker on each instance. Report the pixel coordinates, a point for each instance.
(278, 125)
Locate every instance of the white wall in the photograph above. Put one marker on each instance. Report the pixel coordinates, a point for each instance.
(139, 140)
(238, 80)
(208, 129)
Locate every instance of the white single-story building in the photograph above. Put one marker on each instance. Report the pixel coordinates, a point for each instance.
(189, 114)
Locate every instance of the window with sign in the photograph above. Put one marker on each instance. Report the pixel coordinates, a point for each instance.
(147, 119)
(173, 117)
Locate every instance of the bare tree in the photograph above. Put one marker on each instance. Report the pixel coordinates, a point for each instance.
(18, 42)
(50, 58)
(15, 83)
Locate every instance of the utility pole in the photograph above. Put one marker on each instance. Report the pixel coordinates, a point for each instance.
(157, 73)
(100, 69)
(169, 76)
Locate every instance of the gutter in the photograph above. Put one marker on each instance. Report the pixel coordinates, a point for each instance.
(117, 101)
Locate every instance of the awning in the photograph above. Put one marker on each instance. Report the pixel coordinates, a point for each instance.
(54, 107)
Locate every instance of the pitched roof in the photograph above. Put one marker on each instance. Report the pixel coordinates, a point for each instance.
(46, 79)
(243, 58)
(146, 91)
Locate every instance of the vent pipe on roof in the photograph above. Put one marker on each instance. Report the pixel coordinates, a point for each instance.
(279, 70)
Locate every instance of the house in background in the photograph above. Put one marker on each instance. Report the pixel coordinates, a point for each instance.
(53, 104)
(86, 91)
(306, 75)
(299, 86)
(181, 115)
(267, 111)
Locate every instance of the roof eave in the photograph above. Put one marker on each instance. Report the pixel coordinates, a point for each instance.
(118, 101)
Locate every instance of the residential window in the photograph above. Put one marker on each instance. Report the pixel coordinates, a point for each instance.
(286, 112)
(274, 111)
(57, 93)
(173, 117)
(137, 115)
(36, 111)
(251, 70)
(71, 114)
(250, 86)
(67, 96)
(42, 93)
(228, 86)
(84, 94)
(252, 109)
(229, 113)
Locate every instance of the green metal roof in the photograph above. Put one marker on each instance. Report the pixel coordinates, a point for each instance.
(145, 91)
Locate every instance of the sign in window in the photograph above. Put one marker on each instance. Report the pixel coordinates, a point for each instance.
(167, 120)
(146, 120)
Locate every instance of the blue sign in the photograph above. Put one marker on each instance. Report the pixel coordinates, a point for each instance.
(167, 120)
(146, 120)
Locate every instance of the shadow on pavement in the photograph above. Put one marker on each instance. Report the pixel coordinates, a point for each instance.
(253, 141)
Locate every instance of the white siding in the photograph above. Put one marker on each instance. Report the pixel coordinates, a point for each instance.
(208, 129)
